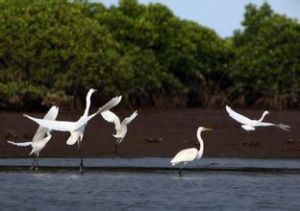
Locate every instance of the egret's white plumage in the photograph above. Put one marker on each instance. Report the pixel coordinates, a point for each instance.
(21, 144)
(184, 156)
(187, 155)
(41, 131)
(249, 124)
(37, 146)
(65, 126)
(77, 128)
(121, 127)
(39, 140)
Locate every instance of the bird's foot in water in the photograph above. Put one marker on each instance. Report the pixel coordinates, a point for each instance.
(31, 168)
(115, 151)
(180, 173)
(115, 156)
(81, 170)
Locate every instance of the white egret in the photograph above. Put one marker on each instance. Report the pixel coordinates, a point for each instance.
(77, 128)
(121, 127)
(39, 140)
(187, 155)
(249, 124)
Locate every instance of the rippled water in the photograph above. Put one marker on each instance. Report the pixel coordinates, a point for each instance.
(22, 190)
(159, 162)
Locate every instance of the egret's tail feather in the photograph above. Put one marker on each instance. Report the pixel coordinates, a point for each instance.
(117, 136)
(173, 162)
(32, 152)
(22, 144)
(284, 127)
(120, 140)
(72, 139)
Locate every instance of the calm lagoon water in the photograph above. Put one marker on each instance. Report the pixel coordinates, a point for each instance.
(216, 190)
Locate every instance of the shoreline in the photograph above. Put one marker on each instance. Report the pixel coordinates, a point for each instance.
(161, 133)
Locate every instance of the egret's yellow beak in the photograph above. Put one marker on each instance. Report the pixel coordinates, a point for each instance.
(207, 129)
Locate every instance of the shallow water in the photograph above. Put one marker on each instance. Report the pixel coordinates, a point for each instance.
(158, 162)
(22, 190)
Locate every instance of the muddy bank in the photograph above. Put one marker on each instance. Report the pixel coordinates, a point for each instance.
(162, 133)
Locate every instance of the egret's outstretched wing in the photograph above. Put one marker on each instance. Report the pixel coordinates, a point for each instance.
(281, 126)
(110, 104)
(52, 113)
(111, 117)
(53, 125)
(185, 155)
(238, 117)
(69, 126)
(41, 131)
(133, 115)
(23, 144)
(264, 124)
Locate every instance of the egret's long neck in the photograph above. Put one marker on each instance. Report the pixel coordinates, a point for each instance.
(88, 103)
(201, 149)
(262, 116)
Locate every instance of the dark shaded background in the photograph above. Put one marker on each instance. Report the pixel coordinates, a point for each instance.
(163, 132)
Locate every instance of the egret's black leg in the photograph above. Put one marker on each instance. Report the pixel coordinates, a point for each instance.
(180, 172)
(37, 163)
(33, 164)
(81, 168)
(116, 149)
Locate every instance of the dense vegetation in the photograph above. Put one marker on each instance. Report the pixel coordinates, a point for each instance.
(53, 51)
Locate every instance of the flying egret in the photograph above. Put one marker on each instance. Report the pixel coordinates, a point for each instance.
(77, 128)
(250, 125)
(121, 127)
(186, 155)
(39, 140)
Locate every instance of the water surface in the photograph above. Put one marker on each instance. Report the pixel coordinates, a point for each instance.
(25, 190)
(158, 162)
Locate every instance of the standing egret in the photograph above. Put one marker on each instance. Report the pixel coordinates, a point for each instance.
(186, 155)
(77, 128)
(39, 140)
(249, 124)
(121, 127)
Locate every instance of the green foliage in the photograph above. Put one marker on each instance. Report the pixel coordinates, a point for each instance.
(53, 44)
(20, 94)
(267, 64)
(53, 51)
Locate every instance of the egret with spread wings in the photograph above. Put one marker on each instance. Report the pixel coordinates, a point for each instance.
(77, 128)
(121, 127)
(39, 140)
(250, 125)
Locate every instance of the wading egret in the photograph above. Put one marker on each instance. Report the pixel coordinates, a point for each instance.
(187, 155)
(121, 127)
(39, 140)
(77, 128)
(249, 124)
